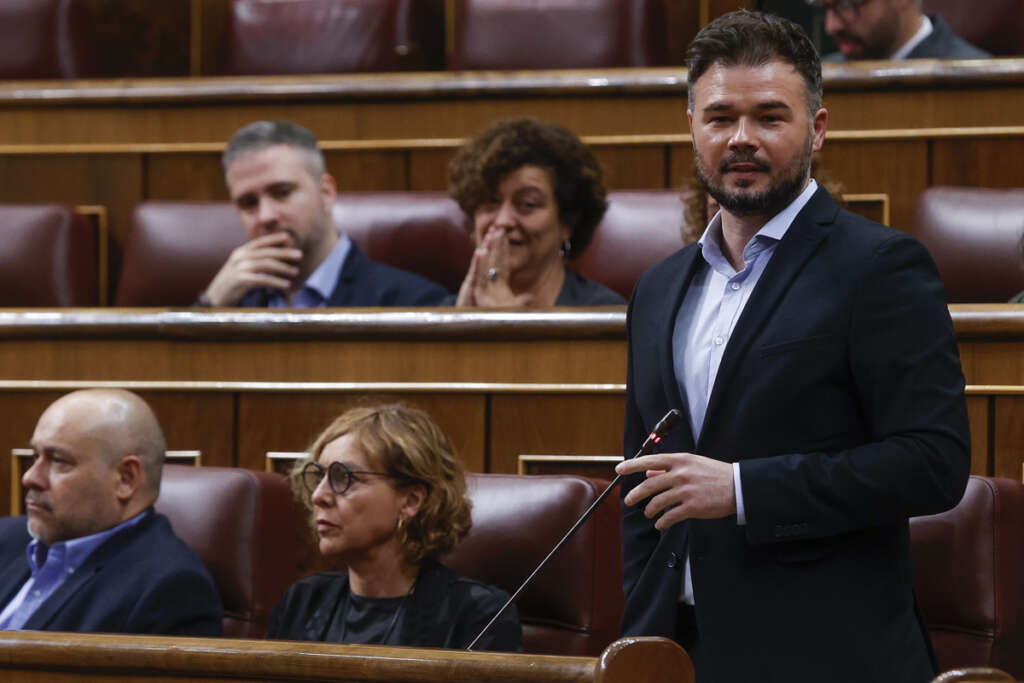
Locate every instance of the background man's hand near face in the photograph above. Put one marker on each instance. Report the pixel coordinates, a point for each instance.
(267, 261)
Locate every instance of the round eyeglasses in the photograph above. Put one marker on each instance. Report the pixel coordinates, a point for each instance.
(339, 476)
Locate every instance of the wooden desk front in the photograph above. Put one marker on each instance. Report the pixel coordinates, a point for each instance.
(236, 384)
(39, 657)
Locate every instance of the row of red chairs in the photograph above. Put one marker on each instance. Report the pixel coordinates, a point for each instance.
(49, 256)
(56, 38)
(967, 562)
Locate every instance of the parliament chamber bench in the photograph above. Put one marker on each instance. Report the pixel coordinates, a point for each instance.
(249, 532)
(893, 131)
(235, 385)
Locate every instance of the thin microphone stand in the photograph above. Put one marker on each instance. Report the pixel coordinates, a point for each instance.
(663, 427)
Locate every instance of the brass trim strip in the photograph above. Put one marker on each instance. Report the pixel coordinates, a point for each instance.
(345, 387)
(399, 144)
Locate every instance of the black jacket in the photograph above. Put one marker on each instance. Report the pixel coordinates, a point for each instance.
(446, 610)
(363, 282)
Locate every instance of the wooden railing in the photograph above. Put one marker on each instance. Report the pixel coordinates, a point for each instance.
(38, 656)
(238, 384)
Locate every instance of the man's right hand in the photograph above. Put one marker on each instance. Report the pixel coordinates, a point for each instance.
(267, 261)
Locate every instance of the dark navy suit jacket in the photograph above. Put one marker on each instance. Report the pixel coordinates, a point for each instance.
(841, 395)
(143, 580)
(363, 282)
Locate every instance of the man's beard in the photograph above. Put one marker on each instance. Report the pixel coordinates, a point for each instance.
(783, 190)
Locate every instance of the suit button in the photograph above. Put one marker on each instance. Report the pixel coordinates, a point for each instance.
(673, 561)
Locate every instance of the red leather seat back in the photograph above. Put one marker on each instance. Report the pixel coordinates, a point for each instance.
(46, 39)
(174, 250)
(248, 530)
(48, 257)
(639, 229)
(574, 605)
(968, 564)
(421, 232)
(974, 236)
(999, 29)
(558, 34)
(319, 36)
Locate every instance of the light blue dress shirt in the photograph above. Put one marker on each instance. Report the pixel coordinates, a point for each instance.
(706, 320)
(50, 568)
(319, 287)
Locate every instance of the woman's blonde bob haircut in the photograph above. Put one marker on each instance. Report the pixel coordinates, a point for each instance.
(407, 444)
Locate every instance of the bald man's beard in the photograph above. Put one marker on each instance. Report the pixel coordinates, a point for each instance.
(785, 186)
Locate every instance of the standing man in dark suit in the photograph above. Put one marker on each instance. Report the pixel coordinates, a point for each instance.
(94, 556)
(295, 256)
(890, 29)
(813, 354)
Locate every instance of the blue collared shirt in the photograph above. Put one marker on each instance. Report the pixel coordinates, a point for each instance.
(707, 317)
(320, 286)
(50, 569)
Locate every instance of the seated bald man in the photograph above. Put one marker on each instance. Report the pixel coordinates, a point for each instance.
(93, 556)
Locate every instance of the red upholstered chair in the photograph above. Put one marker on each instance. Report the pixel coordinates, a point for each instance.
(323, 36)
(639, 229)
(968, 564)
(558, 34)
(174, 250)
(974, 236)
(998, 29)
(421, 232)
(46, 39)
(48, 257)
(246, 528)
(574, 605)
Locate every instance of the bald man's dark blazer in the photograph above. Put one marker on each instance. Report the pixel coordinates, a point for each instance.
(841, 395)
(143, 580)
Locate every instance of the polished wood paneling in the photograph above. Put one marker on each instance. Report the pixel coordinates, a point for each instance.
(174, 177)
(633, 167)
(898, 168)
(565, 425)
(237, 384)
(978, 412)
(1009, 436)
(979, 162)
(39, 656)
(291, 421)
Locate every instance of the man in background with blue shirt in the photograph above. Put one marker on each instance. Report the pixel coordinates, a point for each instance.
(93, 556)
(295, 256)
(813, 355)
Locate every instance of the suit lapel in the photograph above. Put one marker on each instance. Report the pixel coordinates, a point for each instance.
(675, 395)
(798, 245)
(12, 577)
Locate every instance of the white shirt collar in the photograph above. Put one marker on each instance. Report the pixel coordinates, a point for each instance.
(915, 40)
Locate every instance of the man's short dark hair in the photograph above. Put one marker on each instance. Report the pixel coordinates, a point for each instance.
(262, 134)
(745, 38)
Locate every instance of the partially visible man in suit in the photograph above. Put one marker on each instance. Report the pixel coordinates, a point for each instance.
(94, 556)
(890, 29)
(812, 352)
(295, 256)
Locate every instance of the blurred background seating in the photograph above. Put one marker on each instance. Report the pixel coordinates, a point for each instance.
(557, 34)
(48, 257)
(974, 236)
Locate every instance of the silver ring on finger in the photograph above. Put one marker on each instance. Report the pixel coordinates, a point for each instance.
(493, 273)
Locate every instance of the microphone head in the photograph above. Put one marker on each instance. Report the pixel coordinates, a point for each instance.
(667, 423)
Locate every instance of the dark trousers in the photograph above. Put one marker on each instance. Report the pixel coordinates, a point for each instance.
(689, 638)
